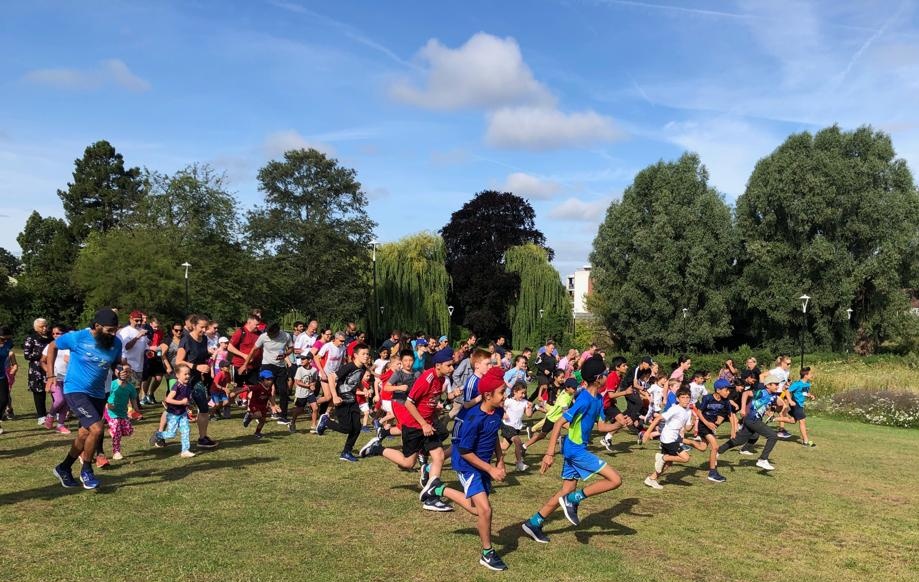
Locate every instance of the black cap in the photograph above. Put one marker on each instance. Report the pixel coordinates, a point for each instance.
(592, 369)
(571, 383)
(647, 360)
(106, 317)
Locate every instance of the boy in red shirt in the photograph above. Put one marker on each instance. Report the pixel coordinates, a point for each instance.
(418, 419)
(220, 402)
(260, 397)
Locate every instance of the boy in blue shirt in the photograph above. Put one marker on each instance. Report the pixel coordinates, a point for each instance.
(473, 450)
(798, 393)
(753, 424)
(577, 461)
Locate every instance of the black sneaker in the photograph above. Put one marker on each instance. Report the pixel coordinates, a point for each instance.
(206, 443)
(569, 509)
(247, 419)
(716, 477)
(283, 421)
(492, 561)
(65, 477)
(783, 434)
(424, 475)
(434, 503)
(429, 485)
(382, 433)
(160, 443)
(535, 532)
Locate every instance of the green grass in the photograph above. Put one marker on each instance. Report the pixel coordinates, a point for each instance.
(287, 509)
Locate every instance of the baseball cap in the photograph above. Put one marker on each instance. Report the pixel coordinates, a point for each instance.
(772, 379)
(421, 342)
(222, 340)
(137, 314)
(722, 383)
(492, 380)
(647, 360)
(443, 356)
(592, 369)
(442, 338)
(265, 374)
(571, 383)
(306, 356)
(106, 317)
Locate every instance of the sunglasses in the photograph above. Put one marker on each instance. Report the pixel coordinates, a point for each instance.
(176, 329)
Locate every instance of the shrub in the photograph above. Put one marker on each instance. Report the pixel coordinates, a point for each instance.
(884, 407)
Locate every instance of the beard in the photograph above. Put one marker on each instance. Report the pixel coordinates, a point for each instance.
(105, 341)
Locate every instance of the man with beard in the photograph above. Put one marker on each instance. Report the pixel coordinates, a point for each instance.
(93, 352)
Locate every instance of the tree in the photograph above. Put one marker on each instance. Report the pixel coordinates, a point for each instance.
(667, 245)
(476, 239)
(10, 263)
(311, 237)
(834, 215)
(48, 252)
(412, 284)
(103, 193)
(543, 308)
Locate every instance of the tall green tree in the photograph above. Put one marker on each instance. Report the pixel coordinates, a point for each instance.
(667, 245)
(834, 215)
(543, 308)
(103, 193)
(48, 253)
(476, 239)
(312, 237)
(412, 284)
(10, 263)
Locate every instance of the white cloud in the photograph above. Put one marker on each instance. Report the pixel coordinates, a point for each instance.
(111, 72)
(535, 128)
(281, 141)
(486, 72)
(577, 210)
(529, 186)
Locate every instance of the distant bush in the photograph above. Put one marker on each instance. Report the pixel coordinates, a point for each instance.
(884, 407)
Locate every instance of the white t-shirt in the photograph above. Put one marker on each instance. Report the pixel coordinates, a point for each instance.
(675, 420)
(272, 348)
(656, 392)
(60, 363)
(379, 366)
(513, 412)
(134, 356)
(333, 355)
(303, 342)
(307, 376)
(697, 391)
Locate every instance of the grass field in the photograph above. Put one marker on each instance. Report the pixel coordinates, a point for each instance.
(286, 509)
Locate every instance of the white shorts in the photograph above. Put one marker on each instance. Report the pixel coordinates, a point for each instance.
(386, 405)
(365, 408)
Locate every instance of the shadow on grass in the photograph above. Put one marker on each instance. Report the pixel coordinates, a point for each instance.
(110, 482)
(28, 450)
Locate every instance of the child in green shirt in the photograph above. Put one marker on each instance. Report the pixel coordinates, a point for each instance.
(116, 410)
(562, 402)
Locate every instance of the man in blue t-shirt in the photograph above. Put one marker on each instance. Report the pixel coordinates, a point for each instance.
(94, 351)
(578, 462)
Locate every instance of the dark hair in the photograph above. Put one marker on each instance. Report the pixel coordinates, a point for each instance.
(518, 358)
(296, 323)
(62, 327)
(526, 350)
(519, 385)
(698, 374)
(558, 372)
(224, 364)
(360, 346)
(617, 361)
(5, 331)
(274, 328)
(683, 392)
(406, 354)
(192, 317)
(644, 373)
(805, 370)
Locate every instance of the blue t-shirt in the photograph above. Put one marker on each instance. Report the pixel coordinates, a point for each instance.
(671, 400)
(478, 434)
(514, 375)
(798, 389)
(582, 416)
(470, 393)
(762, 400)
(89, 362)
(711, 409)
(5, 350)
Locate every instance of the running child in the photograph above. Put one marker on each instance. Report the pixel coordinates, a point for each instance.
(512, 422)
(176, 403)
(219, 399)
(261, 397)
(116, 408)
(676, 419)
(578, 463)
(617, 385)
(398, 386)
(306, 381)
(753, 424)
(712, 412)
(798, 393)
(656, 389)
(562, 403)
(344, 385)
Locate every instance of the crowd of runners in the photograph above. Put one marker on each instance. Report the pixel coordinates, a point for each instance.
(461, 404)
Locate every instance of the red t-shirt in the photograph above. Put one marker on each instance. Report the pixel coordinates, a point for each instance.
(244, 342)
(611, 385)
(221, 380)
(424, 394)
(258, 397)
(360, 398)
(384, 378)
(350, 349)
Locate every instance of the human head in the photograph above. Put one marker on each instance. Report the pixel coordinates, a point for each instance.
(40, 326)
(500, 340)
(806, 373)
(252, 321)
(339, 338)
(443, 362)
(299, 327)
(519, 391)
(723, 388)
(58, 330)
(619, 364)
(481, 361)
(408, 358)
(224, 365)
(683, 397)
(306, 359)
(644, 374)
(223, 342)
(593, 370)
(351, 328)
(673, 385)
(698, 376)
(751, 363)
(199, 325)
(384, 353)
(520, 362)
(176, 329)
(104, 327)
(274, 328)
(154, 323)
(772, 382)
(558, 376)
(527, 353)
(136, 318)
(571, 385)
(361, 355)
(190, 321)
(124, 372)
(312, 327)
(266, 377)
(183, 373)
(684, 362)
(213, 327)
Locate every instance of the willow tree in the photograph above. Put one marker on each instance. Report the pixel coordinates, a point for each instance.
(542, 308)
(412, 284)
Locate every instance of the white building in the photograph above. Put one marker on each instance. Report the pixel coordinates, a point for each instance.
(579, 287)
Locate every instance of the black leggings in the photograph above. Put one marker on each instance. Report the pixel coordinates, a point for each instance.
(347, 420)
(280, 386)
(4, 393)
(747, 432)
(41, 407)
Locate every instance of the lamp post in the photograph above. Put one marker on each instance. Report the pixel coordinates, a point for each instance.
(848, 329)
(186, 264)
(804, 300)
(450, 311)
(376, 298)
(685, 340)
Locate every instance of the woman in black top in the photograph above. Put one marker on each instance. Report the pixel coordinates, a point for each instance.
(193, 353)
(31, 350)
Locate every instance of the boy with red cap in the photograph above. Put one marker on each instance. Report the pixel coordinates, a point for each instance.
(578, 462)
(473, 449)
(418, 420)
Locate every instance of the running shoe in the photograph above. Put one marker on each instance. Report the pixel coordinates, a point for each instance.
(809, 444)
(529, 433)
(765, 464)
(247, 420)
(569, 509)
(652, 483)
(684, 448)
(101, 461)
(376, 424)
(257, 436)
(64, 476)
(436, 504)
(746, 452)
(716, 477)
(41, 421)
(641, 437)
(607, 442)
(117, 456)
(49, 422)
(347, 456)
(283, 421)
(89, 479)
(783, 434)
(186, 454)
(292, 428)
(365, 450)
(323, 423)
(207, 443)
(381, 433)
(521, 466)
(428, 486)
(492, 561)
(61, 429)
(658, 462)
(535, 532)
(423, 475)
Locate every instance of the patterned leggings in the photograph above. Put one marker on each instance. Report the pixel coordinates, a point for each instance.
(119, 427)
(177, 422)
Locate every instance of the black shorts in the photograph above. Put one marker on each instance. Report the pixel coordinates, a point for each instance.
(87, 409)
(509, 432)
(414, 441)
(153, 367)
(611, 412)
(674, 448)
(304, 402)
(797, 412)
(247, 378)
(704, 431)
(547, 426)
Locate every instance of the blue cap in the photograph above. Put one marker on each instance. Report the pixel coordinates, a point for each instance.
(443, 356)
(266, 374)
(442, 338)
(722, 383)
(421, 342)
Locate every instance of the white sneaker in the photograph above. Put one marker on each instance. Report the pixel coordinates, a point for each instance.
(658, 463)
(607, 442)
(652, 483)
(748, 453)
(764, 464)
(117, 456)
(521, 466)
(186, 454)
(41, 421)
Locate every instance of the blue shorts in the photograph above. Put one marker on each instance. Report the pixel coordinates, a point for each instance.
(87, 409)
(474, 482)
(578, 462)
(218, 397)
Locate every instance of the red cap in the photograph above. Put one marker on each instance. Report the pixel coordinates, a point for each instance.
(492, 381)
(136, 314)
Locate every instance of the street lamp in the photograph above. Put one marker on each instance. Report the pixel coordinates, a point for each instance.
(450, 310)
(848, 329)
(541, 311)
(804, 301)
(685, 331)
(186, 264)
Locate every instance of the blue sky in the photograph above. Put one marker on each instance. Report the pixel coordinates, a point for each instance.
(559, 101)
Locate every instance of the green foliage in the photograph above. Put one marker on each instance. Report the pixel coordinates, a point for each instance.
(540, 289)
(412, 284)
(103, 194)
(667, 245)
(836, 216)
(311, 238)
(9, 263)
(476, 239)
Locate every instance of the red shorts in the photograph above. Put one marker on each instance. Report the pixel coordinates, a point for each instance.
(259, 407)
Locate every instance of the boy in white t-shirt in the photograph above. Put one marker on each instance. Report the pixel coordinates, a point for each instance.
(306, 379)
(512, 424)
(657, 387)
(676, 419)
